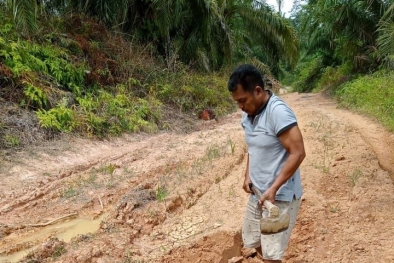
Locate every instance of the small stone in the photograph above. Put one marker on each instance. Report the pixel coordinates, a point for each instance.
(216, 225)
(236, 260)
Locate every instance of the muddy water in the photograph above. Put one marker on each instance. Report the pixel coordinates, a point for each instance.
(15, 257)
(63, 231)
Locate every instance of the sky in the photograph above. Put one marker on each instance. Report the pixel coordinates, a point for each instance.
(286, 8)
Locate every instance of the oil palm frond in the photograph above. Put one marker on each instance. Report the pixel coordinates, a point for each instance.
(24, 13)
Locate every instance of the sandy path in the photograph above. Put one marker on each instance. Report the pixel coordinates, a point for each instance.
(178, 197)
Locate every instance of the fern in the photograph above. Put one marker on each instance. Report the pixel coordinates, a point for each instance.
(36, 97)
(59, 118)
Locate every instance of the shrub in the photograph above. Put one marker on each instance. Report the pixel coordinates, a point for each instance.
(333, 77)
(59, 118)
(191, 93)
(308, 75)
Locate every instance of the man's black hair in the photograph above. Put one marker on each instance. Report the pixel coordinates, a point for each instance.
(247, 76)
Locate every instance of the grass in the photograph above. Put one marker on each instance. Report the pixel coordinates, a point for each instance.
(161, 193)
(212, 153)
(107, 169)
(372, 95)
(326, 139)
(69, 192)
(96, 178)
(91, 179)
(334, 209)
(355, 176)
(232, 145)
(11, 141)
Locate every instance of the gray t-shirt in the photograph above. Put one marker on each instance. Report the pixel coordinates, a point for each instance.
(266, 153)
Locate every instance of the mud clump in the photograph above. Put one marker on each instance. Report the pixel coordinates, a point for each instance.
(134, 199)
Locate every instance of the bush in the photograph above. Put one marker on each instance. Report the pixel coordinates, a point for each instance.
(307, 75)
(333, 77)
(193, 92)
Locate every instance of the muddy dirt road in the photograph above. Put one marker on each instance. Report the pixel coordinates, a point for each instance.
(178, 197)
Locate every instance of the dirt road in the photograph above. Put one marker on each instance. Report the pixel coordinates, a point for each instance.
(178, 197)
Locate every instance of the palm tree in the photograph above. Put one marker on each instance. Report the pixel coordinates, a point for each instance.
(224, 28)
(345, 29)
(386, 36)
(111, 12)
(205, 33)
(280, 6)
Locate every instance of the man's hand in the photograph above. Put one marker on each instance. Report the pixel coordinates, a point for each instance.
(246, 184)
(268, 195)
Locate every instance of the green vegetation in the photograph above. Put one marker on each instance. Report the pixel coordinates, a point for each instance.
(347, 52)
(69, 192)
(90, 81)
(11, 141)
(102, 68)
(161, 193)
(372, 95)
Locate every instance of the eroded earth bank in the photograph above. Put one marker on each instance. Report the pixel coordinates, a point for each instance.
(178, 197)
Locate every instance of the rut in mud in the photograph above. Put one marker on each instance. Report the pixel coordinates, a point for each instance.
(178, 197)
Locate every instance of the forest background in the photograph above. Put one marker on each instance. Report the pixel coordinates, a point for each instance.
(100, 68)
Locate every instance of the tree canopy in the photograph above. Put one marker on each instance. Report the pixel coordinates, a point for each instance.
(205, 33)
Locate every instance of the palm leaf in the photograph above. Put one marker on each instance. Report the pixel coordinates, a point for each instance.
(24, 13)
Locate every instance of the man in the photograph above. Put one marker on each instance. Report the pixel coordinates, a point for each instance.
(275, 152)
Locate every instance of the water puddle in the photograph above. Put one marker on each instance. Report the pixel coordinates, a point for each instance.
(15, 257)
(63, 231)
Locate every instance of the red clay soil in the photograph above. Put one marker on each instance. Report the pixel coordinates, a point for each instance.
(177, 198)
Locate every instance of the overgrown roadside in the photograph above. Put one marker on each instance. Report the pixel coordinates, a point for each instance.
(77, 77)
(177, 197)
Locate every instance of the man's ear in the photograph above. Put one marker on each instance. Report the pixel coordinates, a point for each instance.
(258, 90)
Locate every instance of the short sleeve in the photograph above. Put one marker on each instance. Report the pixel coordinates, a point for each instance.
(282, 118)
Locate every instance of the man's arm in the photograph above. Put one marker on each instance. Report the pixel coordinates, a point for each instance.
(247, 177)
(293, 142)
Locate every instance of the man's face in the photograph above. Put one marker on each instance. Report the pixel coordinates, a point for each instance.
(248, 102)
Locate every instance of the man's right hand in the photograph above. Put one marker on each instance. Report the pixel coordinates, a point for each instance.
(246, 184)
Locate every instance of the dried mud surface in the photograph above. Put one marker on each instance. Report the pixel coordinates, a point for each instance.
(178, 197)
